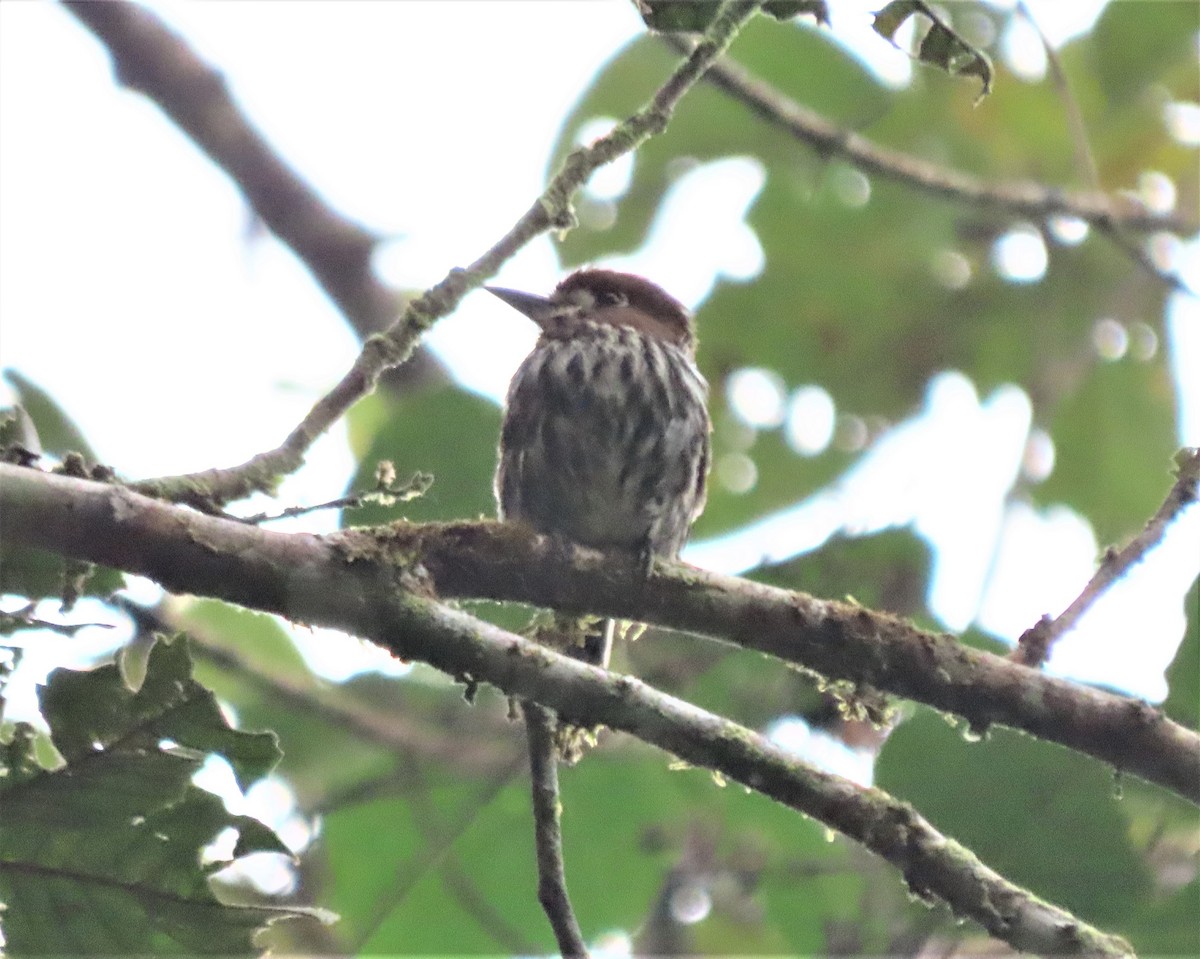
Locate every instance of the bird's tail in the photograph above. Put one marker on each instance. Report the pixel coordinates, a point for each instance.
(586, 638)
(597, 644)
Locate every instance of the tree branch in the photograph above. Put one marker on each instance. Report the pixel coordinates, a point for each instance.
(155, 61)
(1022, 197)
(547, 808)
(1033, 648)
(840, 641)
(312, 579)
(1085, 161)
(393, 730)
(209, 489)
(190, 553)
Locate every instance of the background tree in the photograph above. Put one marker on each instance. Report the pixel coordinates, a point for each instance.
(968, 319)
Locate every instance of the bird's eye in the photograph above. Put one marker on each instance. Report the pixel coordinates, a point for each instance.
(611, 298)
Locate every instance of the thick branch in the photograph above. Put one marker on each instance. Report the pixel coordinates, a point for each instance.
(1033, 649)
(838, 640)
(152, 59)
(1021, 197)
(311, 579)
(552, 210)
(504, 562)
(482, 753)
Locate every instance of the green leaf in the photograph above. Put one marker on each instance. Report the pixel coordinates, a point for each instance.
(17, 429)
(58, 433)
(1045, 818)
(102, 854)
(1183, 675)
(886, 571)
(627, 817)
(671, 16)
(39, 425)
(385, 859)
(1162, 827)
(95, 710)
(1165, 33)
(940, 46)
(1116, 424)
(39, 574)
(694, 16)
(249, 660)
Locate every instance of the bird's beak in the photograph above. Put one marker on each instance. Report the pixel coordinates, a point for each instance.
(537, 308)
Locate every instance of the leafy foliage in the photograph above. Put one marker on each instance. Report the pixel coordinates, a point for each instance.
(39, 425)
(694, 16)
(1010, 799)
(898, 325)
(103, 852)
(940, 46)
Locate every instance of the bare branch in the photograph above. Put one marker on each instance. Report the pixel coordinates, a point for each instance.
(552, 879)
(480, 754)
(312, 579)
(152, 59)
(1085, 162)
(209, 489)
(459, 883)
(440, 833)
(1025, 198)
(24, 618)
(1033, 648)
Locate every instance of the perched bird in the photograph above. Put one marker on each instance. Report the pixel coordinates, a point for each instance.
(605, 440)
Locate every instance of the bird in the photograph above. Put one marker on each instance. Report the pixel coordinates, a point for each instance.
(605, 439)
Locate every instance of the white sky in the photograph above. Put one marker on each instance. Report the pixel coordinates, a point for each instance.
(126, 275)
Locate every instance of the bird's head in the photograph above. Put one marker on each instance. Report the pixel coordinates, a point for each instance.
(605, 296)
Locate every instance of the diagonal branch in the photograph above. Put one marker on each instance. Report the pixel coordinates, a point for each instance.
(1022, 197)
(480, 754)
(209, 489)
(1033, 648)
(152, 59)
(312, 579)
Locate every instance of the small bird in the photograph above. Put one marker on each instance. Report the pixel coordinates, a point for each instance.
(605, 439)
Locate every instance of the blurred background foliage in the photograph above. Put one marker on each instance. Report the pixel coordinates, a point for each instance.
(417, 802)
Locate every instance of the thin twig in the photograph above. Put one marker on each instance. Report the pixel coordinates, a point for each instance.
(385, 493)
(1085, 162)
(547, 808)
(1026, 198)
(23, 618)
(440, 836)
(1137, 252)
(353, 501)
(1085, 159)
(1033, 648)
(210, 489)
(478, 906)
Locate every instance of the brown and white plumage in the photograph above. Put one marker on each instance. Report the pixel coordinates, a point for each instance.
(606, 433)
